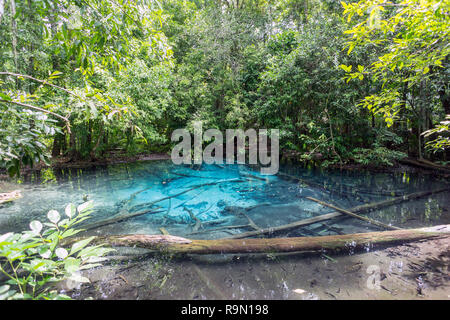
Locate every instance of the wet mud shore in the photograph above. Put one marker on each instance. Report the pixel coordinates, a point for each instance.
(414, 270)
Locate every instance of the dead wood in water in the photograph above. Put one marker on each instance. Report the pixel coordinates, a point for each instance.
(248, 175)
(425, 164)
(192, 176)
(150, 206)
(328, 216)
(305, 182)
(125, 202)
(164, 231)
(174, 244)
(372, 221)
(344, 192)
(198, 222)
(119, 218)
(240, 226)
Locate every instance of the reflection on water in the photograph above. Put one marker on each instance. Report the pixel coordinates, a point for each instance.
(212, 201)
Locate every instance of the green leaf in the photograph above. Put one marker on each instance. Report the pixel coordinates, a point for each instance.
(78, 278)
(5, 237)
(85, 206)
(346, 68)
(5, 97)
(350, 48)
(7, 294)
(77, 246)
(71, 264)
(94, 251)
(36, 226)
(69, 232)
(53, 216)
(61, 253)
(4, 288)
(45, 252)
(70, 210)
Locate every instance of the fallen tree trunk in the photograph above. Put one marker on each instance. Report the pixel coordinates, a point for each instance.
(173, 244)
(372, 221)
(425, 164)
(118, 218)
(306, 182)
(328, 216)
(341, 191)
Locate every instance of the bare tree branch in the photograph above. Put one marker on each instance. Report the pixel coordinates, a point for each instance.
(44, 82)
(29, 106)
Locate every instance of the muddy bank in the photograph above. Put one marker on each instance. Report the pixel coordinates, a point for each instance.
(416, 270)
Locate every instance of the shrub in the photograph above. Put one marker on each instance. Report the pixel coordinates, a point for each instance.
(34, 259)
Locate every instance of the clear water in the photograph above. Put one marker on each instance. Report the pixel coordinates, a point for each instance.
(123, 188)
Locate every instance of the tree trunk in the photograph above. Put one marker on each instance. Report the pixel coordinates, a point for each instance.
(30, 69)
(421, 163)
(372, 221)
(97, 144)
(331, 215)
(73, 151)
(173, 244)
(14, 38)
(56, 149)
(2, 9)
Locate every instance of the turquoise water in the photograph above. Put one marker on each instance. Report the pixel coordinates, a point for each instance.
(211, 201)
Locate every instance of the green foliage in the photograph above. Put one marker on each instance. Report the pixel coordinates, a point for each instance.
(34, 259)
(442, 141)
(411, 37)
(433, 210)
(69, 50)
(126, 74)
(21, 133)
(382, 152)
(377, 155)
(299, 87)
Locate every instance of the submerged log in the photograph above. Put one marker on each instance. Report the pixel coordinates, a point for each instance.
(305, 182)
(119, 218)
(164, 231)
(240, 226)
(124, 202)
(344, 192)
(328, 216)
(424, 164)
(372, 221)
(248, 175)
(174, 244)
(150, 205)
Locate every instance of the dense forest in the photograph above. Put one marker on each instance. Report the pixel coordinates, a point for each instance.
(352, 93)
(364, 83)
